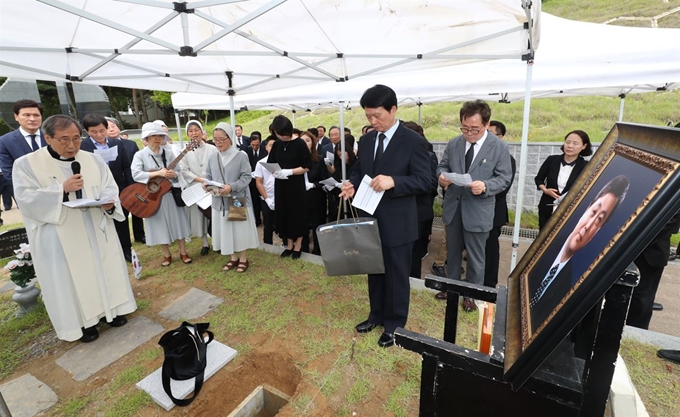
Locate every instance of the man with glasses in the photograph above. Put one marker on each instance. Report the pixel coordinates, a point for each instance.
(469, 209)
(77, 258)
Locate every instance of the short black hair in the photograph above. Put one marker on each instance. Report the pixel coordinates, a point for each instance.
(314, 131)
(618, 187)
(94, 119)
(333, 127)
(59, 122)
(282, 126)
(27, 104)
(379, 96)
(321, 127)
(500, 127)
(588, 150)
(414, 127)
(348, 131)
(235, 126)
(255, 135)
(470, 108)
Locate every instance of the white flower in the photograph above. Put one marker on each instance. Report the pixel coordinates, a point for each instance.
(24, 248)
(20, 256)
(12, 264)
(21, 263)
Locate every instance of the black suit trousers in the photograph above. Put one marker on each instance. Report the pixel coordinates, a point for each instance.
(123, 232)
(420, 247)
(493, 255)
(642, 301)
(389, 292)
(268, 218)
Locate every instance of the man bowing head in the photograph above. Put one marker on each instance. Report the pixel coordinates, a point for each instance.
(395, 158)
(77, 257)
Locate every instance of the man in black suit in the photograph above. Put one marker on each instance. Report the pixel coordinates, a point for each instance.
(651, 264)
(396, 159)
(255, 152)
(241, 141)
(130, 147)
(546, 293)
(97, 128)
(321, 134)
(500, 218)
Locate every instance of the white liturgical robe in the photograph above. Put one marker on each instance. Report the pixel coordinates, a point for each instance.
(77, 257)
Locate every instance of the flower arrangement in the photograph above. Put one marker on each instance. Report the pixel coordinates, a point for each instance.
(21, 269)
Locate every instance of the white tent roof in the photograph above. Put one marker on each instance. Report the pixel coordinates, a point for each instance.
(262, 44)
(575, 58)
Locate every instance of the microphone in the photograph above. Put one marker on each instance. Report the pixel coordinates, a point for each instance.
(75, 167)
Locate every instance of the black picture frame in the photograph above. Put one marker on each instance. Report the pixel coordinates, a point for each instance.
(539, 318)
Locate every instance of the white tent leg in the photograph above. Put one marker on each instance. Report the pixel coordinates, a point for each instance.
(623, 100)
(420, 113)
(179, 129)
(342, 140)
(294, 115)
(232, 116)
(522, 166)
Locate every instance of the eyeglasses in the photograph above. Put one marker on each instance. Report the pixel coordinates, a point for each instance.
(465, 130)
(219, 140)
(65, 141)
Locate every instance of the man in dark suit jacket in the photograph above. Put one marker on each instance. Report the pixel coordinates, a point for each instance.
(130, 147)
(255, 152)
(469, 210)
(96, 127)
(396, 159)
(24, 140)
(334, 140)
(323, 139)
(500, 218)
(241, 141)
(651, 264)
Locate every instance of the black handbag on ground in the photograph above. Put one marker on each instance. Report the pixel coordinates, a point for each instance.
(185, 357)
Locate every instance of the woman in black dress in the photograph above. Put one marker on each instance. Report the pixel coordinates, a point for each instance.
(292, 215)
(336, 170)
(558, 172)
(316, 196)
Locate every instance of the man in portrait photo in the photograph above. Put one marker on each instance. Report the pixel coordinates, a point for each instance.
(559, 278)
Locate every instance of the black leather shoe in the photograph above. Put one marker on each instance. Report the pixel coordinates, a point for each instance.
(439, 271)
(205, 250)
(286, 253)
(365, 326)
(386, 340)
(441, 295)
(669, 355)
(469, 305)
(128, 257)
(296, 254)
(142, 240)
(657, 306)
(672, 256)
(117, 321)
(89, 335)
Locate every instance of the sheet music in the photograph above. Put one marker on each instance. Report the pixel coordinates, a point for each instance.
(331, 157)
(205, 202)
(213, 183)
(86, 202)
(109, 154)
(366, 198)
(194, 194)
(458, 179)
(271, 167)
(330, 182)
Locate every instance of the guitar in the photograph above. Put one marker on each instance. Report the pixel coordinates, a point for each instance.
(144, 200)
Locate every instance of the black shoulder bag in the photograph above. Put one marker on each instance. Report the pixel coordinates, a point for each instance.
(176, 192)
(185, 357)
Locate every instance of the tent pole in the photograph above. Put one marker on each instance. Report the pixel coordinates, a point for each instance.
(623, 100)
(231, 114)
(179, 129)
(294, 114)
(342, 151)
(522, 165)
(420, 113)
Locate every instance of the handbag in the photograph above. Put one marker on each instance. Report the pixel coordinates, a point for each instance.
(185, 357)
(237, 209)
(351, 246)
(177, 195)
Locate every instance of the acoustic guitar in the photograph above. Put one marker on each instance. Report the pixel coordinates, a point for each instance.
(144, 200)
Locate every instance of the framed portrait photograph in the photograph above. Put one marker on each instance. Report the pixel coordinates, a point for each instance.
(622, 199)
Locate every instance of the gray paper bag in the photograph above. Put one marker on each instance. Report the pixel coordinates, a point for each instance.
(351, 247)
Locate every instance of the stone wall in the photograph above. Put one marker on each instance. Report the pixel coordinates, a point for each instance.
(537, 153)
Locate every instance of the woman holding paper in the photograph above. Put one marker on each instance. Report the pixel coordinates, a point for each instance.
(170, 222)
(231, 168)
(316, 197)
(292, 213)
(194, 165)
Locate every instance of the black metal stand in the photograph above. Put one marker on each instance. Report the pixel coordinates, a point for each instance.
(574, 381)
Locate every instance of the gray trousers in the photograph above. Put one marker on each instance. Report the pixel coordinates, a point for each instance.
(459, 239)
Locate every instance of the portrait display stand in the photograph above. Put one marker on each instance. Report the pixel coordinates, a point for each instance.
(573, 381)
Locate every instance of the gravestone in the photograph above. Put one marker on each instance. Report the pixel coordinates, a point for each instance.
(10, 240)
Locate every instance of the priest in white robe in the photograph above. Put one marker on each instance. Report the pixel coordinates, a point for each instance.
(77, 257)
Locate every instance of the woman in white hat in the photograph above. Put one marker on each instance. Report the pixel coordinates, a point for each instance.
(194, 165)
(231, 168)
(170, 223)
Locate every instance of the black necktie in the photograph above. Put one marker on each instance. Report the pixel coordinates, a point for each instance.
(469, 156)
(544, 285)
(34, 144)
(381, 149)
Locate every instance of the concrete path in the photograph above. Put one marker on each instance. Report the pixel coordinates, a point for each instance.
(27, 396)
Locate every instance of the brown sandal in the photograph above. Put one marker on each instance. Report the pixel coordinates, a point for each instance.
(230, 265)
(167, 260)
(185, 258)
(242, 266)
